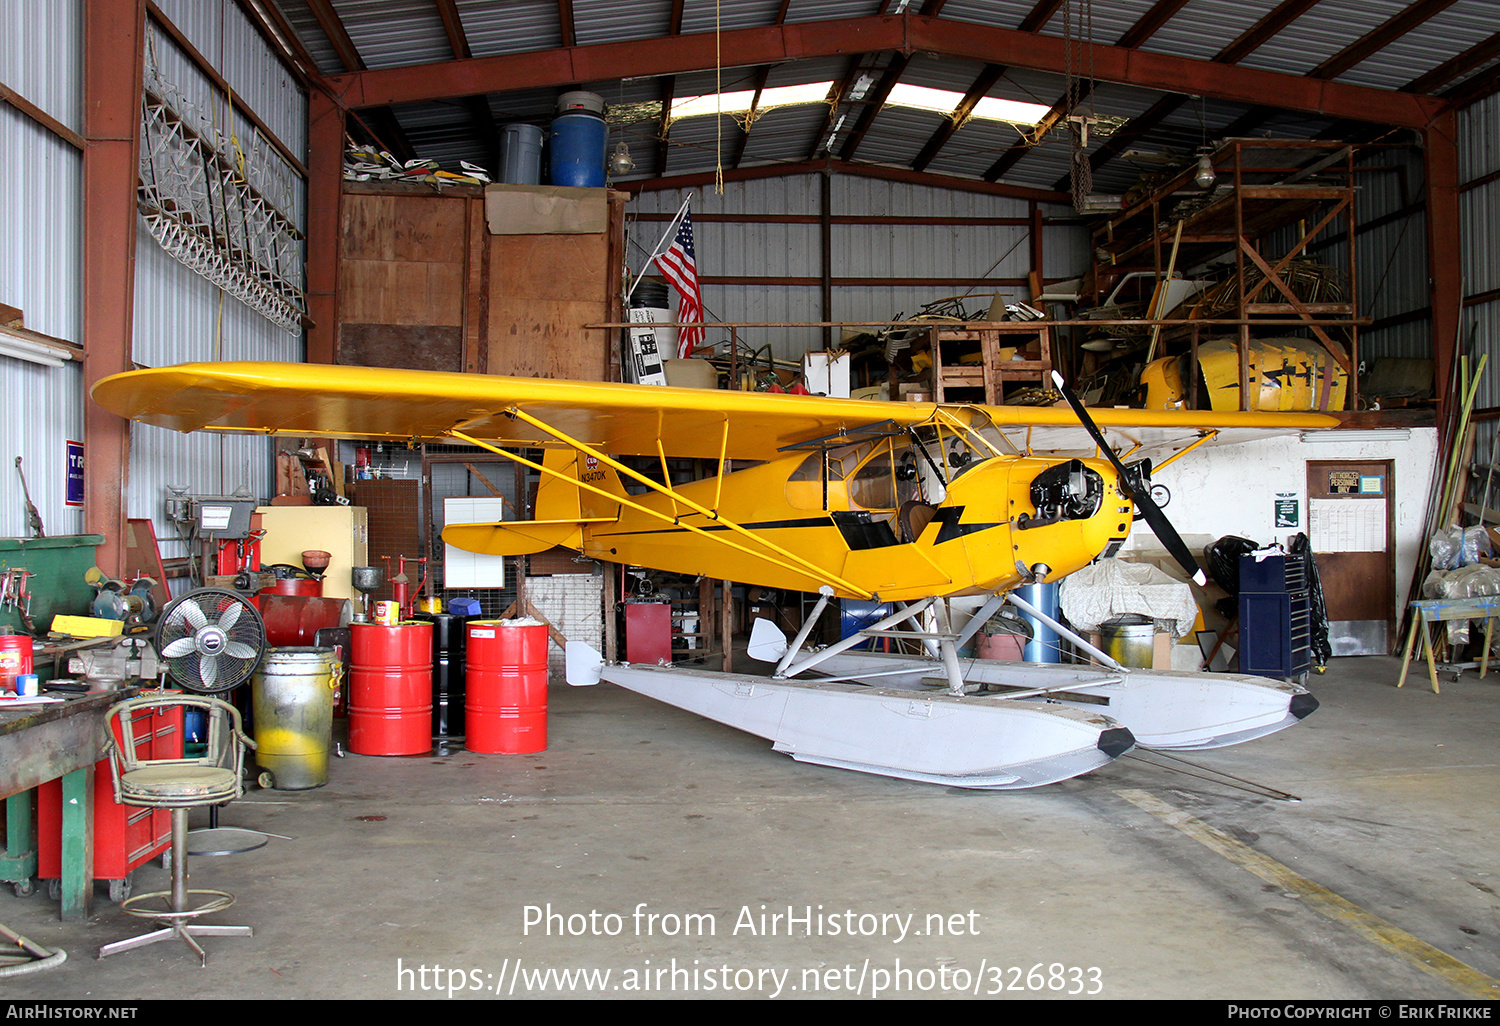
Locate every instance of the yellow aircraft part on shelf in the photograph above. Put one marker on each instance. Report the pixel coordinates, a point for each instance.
(896, 500)
(1285, 374)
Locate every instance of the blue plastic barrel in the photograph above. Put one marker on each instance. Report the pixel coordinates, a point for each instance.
(1043, 646)
(577, 149)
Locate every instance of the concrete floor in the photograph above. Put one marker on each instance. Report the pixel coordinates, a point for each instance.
(408, 877)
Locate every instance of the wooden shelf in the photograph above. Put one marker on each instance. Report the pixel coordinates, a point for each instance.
(985, 381)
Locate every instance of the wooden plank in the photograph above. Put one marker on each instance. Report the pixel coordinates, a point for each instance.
(401, 292)
(409, 228)
(537, 338)
(413, 347)
(549, 266)
(476, 298)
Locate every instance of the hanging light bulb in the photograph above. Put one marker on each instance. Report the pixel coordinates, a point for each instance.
(619, 161)
(1204, 177)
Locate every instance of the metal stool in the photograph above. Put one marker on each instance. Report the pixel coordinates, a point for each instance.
(179, 785)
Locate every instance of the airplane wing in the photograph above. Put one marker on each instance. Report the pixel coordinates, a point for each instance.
(319, 400)
(1136, 434)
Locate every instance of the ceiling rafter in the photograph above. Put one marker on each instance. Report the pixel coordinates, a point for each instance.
(890, 33)
(856, 168)
(1144, 28)
(382, 122)
(667, 92)
(267, 19)
(338, 36)
(1378, 38)
(1252, 39)
(882, 91)
(983, 83)
(565, 23)
(481, 118)
(1362, 49)
(1456, 67)
(762, 76)
(836, 101)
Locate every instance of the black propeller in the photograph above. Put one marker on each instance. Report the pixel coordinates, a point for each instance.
(1136, 482)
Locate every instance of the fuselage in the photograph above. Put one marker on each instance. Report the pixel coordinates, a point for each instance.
(869, 528)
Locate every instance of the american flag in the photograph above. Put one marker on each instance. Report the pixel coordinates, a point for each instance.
(681, 268)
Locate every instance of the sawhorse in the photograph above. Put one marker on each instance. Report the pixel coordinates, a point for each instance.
(1427, 611)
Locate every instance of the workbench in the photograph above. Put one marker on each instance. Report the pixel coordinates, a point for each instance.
(1428, 611)
(39, 743)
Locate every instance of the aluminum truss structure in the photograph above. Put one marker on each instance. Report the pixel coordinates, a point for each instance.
(207, 202)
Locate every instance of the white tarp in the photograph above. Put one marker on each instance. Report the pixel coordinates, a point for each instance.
(1116, 587)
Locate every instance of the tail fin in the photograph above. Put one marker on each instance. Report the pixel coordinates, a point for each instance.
(562, 510)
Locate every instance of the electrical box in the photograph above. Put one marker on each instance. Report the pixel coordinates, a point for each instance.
(223, 516)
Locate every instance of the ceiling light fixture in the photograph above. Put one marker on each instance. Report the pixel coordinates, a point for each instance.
(619, 161)
(32, 352)
(1206, 174)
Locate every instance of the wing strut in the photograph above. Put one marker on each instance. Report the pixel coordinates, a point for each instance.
(675, 496)
(802, 567)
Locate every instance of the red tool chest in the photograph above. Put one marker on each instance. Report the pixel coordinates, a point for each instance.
(125, 836)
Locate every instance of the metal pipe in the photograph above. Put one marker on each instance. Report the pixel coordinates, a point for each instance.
(824, 594)
(850, 642)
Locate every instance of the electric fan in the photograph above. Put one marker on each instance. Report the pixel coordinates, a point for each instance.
(210, 640)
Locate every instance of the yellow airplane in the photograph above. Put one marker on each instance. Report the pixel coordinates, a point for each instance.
(905, 503)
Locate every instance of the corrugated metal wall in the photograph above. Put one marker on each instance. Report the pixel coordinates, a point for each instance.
(41, 209)
(1479, 218)
(179, 315)
(877, 251)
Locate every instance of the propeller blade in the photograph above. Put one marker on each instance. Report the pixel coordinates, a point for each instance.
(178, 648)
(1150, 511)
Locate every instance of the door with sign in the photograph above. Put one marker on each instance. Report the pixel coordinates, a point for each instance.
(1351, 524)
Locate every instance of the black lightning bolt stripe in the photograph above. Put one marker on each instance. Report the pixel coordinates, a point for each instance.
(952, 529)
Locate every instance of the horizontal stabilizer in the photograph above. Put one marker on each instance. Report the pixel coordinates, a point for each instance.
(517, 537)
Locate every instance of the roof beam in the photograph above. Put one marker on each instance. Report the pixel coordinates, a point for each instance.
(1366, 46)
(1248, 42)
(333, 27)
(1378, 38)
(666, 93)
(761, 77)
(1144, 28)
(1033, 22)
(978, 91)
(860, 170)
(481, 118)
(1455, 67)
(900, 33)
(385, 127)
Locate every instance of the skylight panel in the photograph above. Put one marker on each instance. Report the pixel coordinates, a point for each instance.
(739, 101)
(946, 101)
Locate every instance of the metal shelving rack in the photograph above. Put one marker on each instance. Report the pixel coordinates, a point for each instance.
(1273, 184)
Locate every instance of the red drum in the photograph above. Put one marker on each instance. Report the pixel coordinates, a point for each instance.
(390, 689)
(295, 586)
(293, 621)
(505, 687)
